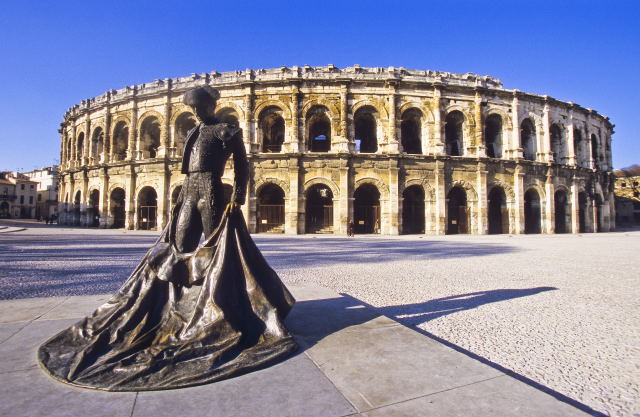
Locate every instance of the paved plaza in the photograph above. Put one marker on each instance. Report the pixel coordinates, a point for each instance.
(546, 314)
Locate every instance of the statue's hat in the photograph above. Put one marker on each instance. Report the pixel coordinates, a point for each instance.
(199, 95)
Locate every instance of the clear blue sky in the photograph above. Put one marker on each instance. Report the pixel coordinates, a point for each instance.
(56, 53)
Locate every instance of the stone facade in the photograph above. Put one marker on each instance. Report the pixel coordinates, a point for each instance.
(17, 196)
(389, 149)
(627, 193)
(47, 191)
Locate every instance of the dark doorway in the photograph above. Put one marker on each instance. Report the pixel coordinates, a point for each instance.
(411, 131)
(94, 209)
(582, 212)
(532, 212)
(319, 209)
(76, 208)
(147, 209)
(366, 130)
(4, 210)
(271, 124)
(453, 131)
(319, 127)
(498, 213)
(561, 203)
(366, 210)
(458, 212)
(270, 209)
(528, 140)
(598, 214)
(413, 210)
(117, 208)
(493, 136)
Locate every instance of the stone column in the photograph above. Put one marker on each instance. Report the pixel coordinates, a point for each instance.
(570, 143)
(481, 186)
(107, 144)
(516, 149)
(294, 215)
(165, 137)
(546, 151)
(343, 143)
(133, 130)
(294, 145)
(548, 221)
(249, 102)
(437, 146)
(478, 147)
(130, 199)
(393, 205)
(84, 202)
(575, 228)
(440, 198)
(343, 207)
(518, 190)
(104, 199)
(88, 148)
(392, 136)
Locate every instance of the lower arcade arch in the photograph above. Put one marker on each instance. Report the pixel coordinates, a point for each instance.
(457, 211)
(270, 209)
(93, 211)
(366, 209)
(77, 205)
(532, 212)
(562, 213)
(319, 209)
(497, 211)
(598, 203)
(582, 212)
(413, 214)
(147, 209)
(116, 204)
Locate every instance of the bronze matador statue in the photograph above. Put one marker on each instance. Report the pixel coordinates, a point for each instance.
(205, 154)
(190, 313)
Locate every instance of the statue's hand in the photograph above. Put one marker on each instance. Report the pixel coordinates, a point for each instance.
(231, 207)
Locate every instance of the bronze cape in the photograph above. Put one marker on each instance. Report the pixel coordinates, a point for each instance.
(180, 319)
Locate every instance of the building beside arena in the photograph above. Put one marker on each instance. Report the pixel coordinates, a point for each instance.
(392, 150)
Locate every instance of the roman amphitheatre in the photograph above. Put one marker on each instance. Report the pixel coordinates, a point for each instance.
(392, 150)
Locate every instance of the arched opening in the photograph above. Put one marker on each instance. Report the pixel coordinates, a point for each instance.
(582, 212)
(4, 210)
(413, 210)
(453, 133)
(184, 123)
(77, 201)
(270, 209)
(594, 150)
(80, 147)
(319, 209)
(578, 146)
(150, 137)
(68, 150)
(117, 208)
(319, 129)
(598, 201)
(120, 141)
(365, 129)
(175, 194)
(532, 212)
(457, 212)
(493, 136)
(147, 209)
(228, 115)
(411, 131)
(558, 144)
(528, 140)
(271, 125)
(366, 209)
(562, 211)
(94, 209)
(497, 212)
(97, 144)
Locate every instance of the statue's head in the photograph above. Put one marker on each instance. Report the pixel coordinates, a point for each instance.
(203, 101)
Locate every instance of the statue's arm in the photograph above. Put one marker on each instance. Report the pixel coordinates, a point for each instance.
(240, 168)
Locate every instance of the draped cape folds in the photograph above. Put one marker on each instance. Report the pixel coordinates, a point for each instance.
(180, 319)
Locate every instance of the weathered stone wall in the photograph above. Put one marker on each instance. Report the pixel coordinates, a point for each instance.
(130, 139)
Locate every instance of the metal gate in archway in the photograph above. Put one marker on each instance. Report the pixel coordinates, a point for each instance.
(147, 217)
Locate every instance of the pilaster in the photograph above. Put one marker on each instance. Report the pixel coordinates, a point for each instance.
(481, 186)
(478, 147)
(392, 134)
(545, 148)
(572, 159)
(575, 227)
(129, 202)
(518, 190)
(440, 198)
(515, 151)
(133, 129)
(294, 214)
(437, 146)
(393, 205)
(548, 221)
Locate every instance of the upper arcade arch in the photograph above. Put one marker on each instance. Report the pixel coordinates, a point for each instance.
(98, 144)
(528, 139)
(454, 127)
(366, 126)
(271, 129)
(183, 123)
(318, 128)
(493, 134)
(150, 133)
(411, 130)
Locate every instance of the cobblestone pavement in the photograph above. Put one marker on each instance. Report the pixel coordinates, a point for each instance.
(561, 310)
